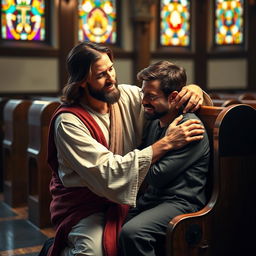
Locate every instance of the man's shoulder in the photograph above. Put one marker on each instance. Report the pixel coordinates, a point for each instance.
(189, 115)
(67, 117)
(128, 88)
(130, 93)
(126, 85)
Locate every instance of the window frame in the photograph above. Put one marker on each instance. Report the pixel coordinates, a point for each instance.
(117, 44)
(30, 48)
(228, 50)
(176, 50)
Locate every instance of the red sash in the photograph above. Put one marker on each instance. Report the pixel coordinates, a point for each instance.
(70, 205)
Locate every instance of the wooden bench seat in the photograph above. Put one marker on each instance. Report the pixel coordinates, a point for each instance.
(226, 225)
(39, 174)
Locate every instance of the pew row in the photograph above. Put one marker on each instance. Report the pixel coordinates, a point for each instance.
(14, 152)
(2, 104)
(39, 173)
(234, 96)
(225, 226)
(225, 102)
(252, 103)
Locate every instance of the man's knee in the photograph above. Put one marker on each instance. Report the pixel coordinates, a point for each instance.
(131, 232)
(84, 247)
(126, 232)
(85, 238)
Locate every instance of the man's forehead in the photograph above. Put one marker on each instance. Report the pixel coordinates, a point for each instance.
(103, 63)
(152, 84)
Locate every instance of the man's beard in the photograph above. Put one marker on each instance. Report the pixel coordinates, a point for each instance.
(109, 97)
(154, 115)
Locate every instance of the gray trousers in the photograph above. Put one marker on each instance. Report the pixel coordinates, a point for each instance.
(145, 231)
(85, 238)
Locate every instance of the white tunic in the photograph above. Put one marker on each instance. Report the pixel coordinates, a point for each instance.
(85, 162)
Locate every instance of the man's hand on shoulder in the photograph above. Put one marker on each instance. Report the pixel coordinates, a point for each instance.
(181, 134)
(192, 96)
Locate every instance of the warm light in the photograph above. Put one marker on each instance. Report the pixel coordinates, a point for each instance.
(175, 23)
(175, 18)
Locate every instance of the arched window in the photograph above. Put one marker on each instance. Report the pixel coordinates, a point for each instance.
(24, 20)
(175, 23)
(97, 21)
(229, 22)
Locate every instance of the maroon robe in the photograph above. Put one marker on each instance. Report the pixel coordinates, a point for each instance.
(70, 205)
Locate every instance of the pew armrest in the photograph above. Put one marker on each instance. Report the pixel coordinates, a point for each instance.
(187, 234)
(177, 219)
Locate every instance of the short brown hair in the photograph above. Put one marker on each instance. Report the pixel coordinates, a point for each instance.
(171, 77)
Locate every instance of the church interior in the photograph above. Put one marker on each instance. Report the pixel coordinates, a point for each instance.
(214, 40)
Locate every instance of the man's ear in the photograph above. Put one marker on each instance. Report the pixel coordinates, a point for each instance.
(172, 96)
(83, 84)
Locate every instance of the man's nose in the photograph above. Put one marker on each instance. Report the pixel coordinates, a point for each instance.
(111, 76)
(144, 100)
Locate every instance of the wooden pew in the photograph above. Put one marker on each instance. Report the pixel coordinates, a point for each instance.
(2, 104)
(214, 96)
(247, 96)
(226, 225)
(225, 102)
(234, 96)
(39, 173)
(249, 102)
(14, 152)
(44, 98)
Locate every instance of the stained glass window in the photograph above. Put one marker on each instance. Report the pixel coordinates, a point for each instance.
(175, 22)
(97, 21)
(23, 20)
(229, 22)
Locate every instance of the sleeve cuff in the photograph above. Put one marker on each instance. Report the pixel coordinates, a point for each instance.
(145, 159)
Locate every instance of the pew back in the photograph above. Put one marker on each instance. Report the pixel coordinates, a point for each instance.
(234, 96)
(39, 173)
(14, 152)
(224, 226)
(225, 102)
(2, 104)
(252, 103)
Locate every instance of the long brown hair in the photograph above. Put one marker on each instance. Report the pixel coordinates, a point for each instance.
(79, 62)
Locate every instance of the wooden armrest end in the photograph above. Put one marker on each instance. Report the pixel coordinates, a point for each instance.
(177, 219)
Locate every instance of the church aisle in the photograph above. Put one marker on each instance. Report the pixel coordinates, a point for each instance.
(18, 236)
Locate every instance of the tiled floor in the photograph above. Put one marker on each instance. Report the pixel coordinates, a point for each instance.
(18, 236)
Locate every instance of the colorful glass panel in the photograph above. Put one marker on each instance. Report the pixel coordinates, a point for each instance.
(229, 22)
(23, 20)
(175, 23)
(97, 21)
